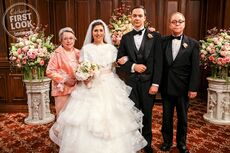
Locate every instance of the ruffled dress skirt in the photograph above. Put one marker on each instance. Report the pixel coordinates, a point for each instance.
(100, 119)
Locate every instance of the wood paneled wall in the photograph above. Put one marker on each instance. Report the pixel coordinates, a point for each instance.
(201, 15)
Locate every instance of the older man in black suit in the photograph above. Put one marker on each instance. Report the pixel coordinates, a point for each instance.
(142, 49)
(179, 82)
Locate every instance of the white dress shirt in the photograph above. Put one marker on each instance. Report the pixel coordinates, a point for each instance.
(138, 39)
(175, 47)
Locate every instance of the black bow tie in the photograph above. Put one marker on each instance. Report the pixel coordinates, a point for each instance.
(176, 37)
(137, 32)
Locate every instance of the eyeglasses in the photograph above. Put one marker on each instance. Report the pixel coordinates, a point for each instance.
(179, 22)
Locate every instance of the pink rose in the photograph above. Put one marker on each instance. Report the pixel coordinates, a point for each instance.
(212, 51)
(19, 51)
(42, 62)
(211, 58)
(202, 56)
(18, 60)
(24, 61)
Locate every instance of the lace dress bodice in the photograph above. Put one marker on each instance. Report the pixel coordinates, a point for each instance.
(103, 55)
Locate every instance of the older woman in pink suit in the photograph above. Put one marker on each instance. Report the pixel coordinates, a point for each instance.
(61, 68)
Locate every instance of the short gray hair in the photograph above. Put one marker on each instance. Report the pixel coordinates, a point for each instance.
(170, 17)
(66, 29)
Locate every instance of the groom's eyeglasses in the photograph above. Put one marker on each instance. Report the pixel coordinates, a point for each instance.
(179, 22)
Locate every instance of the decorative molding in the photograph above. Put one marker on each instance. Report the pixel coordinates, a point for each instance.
(218, 107)
(38, 102)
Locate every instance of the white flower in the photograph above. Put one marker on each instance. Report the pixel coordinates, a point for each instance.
(85, 70)
(150, 35)
(185, 45)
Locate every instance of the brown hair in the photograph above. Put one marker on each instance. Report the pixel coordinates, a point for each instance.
(139, 7)
(94, 25)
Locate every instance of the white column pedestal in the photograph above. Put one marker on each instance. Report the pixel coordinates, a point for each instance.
(38, 102)
(218, 102)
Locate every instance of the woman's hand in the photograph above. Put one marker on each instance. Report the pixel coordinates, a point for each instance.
(70, 82)
(122, 60)
(88, 82)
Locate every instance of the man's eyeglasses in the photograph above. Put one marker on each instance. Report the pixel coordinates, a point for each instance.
(179, 22)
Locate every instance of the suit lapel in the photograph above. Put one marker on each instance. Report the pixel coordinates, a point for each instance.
(147, 44)
(132, 47)
(183, 47)
(168, 53)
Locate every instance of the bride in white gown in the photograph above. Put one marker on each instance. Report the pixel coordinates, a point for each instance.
(100, 119)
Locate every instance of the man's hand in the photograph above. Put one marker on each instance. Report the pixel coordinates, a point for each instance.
(192, 94)
(153, 90)
(140, 68)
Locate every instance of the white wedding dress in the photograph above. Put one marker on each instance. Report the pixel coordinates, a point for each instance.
(100, 119)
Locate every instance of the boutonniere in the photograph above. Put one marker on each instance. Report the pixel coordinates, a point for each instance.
(150, 35)
(150, 30)
(185, 45)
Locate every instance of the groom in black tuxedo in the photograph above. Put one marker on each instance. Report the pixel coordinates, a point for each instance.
(179, 82)
(140, 55)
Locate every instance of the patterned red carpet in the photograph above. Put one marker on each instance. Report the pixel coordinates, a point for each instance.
(203, 137)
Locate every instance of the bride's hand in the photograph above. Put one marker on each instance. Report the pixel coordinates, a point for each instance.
(88, 80)
(122, 60)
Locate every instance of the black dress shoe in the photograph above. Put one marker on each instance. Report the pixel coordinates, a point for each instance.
(165, 147)
(183, 149)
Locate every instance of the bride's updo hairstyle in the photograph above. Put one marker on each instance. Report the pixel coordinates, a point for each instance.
(89, 38)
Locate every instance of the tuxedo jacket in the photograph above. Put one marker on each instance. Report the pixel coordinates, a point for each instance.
(182, 74)
(153, 58)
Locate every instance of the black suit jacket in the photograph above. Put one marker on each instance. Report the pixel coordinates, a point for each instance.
(182, 74)
(151, 44)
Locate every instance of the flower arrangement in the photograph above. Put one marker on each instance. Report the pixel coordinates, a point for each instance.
(120, 23)
(215, 52)
(86, 70)
(32, 53)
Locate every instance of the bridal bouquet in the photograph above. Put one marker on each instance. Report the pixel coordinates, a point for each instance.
(85, 70)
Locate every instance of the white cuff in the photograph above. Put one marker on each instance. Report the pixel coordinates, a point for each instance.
(153, 84)
(132, 68)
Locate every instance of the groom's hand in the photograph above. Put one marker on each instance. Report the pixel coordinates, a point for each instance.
(140, 68)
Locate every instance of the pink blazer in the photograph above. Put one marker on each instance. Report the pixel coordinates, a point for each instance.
(58, 69)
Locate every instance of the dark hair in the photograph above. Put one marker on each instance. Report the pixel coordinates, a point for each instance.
(94, 25)
(139, 7)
